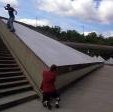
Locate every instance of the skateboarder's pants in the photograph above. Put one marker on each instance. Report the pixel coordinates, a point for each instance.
(10, 23)
(49, 96)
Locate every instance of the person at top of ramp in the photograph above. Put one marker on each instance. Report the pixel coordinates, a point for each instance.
(10, 21)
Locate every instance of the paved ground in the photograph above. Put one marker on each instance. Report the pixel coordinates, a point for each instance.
(93, 93)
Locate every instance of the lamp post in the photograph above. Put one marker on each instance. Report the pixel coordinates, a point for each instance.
(83, 30)
(36, 21)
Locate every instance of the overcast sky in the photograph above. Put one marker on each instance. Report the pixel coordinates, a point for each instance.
(81, 15)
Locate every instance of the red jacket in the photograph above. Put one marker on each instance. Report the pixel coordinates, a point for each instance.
(48, 82)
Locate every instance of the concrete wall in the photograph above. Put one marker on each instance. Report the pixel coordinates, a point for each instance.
(72, 76)
(33, 65)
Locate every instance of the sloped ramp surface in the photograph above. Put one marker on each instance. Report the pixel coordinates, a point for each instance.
(50, 51)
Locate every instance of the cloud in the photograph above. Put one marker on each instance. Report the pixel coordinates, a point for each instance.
(108, 34)
(35, 22)
(3, 12)
(87, 10)
(12, 2)
(86, 33)
(105, 11)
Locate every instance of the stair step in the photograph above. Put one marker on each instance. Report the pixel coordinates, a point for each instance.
(2, 56)
(8, 65)
(2, 45)
(13, 84)
(10, 74)
(11, 79)
(15, 90)
(7, 62)
(6, 58)
(16, 99)
(4, 51)
(9, 69)
(5, 54)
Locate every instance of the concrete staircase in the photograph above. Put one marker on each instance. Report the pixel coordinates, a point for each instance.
(14, 87)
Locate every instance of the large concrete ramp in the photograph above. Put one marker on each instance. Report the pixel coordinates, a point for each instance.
(36, 52)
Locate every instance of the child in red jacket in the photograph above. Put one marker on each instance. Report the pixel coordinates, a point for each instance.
(48, 87)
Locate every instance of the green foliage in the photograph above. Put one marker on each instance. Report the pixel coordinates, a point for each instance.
(109, 41)
(74, 36)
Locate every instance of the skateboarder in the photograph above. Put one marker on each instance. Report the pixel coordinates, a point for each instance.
(48, 87)
(10, 21)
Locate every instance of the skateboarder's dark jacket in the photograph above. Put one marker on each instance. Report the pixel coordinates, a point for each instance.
(10, 11)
